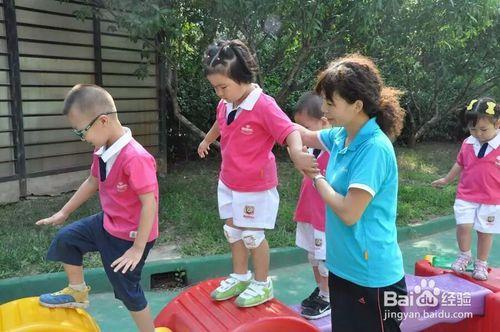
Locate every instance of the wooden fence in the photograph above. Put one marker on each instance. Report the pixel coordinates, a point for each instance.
(44, 51)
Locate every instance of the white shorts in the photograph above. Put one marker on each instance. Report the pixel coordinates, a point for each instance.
(248, 209)
(486, 218)
(310, 239)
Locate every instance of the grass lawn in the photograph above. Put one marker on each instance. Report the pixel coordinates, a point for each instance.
(188, 209)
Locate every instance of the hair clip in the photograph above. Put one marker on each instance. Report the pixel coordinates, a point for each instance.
(491, 108)
(471, 104)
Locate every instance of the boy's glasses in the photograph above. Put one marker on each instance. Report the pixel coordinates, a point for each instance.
(82, 133)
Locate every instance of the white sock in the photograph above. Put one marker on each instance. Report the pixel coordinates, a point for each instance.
(482, 262)
(242, 277)
(468, 253)
(261, 283)
(325, 296)
(79, 287)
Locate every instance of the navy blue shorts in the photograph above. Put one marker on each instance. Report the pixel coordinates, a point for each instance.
(88, 235)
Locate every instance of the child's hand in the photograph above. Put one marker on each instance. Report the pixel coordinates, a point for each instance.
(304, 161)
(57, 218)
(439, 183)
(128, 261)
(203, 149)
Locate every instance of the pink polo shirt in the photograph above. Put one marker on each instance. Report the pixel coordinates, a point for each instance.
(480, 177)
(248, 163)
(132, 174)
(310, 206)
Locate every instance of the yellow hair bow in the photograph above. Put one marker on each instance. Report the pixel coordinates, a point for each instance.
(471, 104)
(491, 108)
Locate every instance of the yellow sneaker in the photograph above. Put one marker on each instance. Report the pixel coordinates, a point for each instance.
(66, 298)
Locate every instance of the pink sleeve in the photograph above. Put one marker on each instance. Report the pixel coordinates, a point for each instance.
(94, 168)
(460, 157)
(277, 122)
(141, 172)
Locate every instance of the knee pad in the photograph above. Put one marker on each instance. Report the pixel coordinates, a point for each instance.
(323, 271)
(314, 262)
(252, 239)
(232, 234)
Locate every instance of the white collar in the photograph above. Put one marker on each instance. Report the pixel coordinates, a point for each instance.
(249, 101)
(494, 142)
(116, 147)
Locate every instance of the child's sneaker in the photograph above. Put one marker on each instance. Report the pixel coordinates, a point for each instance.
(319, 308)
(309, 301)
(229, 288)
(255, 294)
(460, 265)
(66, 298)
(480, 270)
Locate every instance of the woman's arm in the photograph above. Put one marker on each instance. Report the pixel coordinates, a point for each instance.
(348, 208)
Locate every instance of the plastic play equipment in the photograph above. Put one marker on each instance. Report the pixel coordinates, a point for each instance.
(194, 310)
(444, 298)
(425, 268)
(443, 262)
(490, 320)
(27, 315)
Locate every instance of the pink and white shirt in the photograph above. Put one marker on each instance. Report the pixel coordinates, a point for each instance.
(248, 164)
(310, 206)
(480, 178)
(131, 172)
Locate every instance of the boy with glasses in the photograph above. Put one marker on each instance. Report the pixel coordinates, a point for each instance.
(124, 173)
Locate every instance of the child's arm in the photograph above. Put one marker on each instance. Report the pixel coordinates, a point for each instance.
(133, 255)
(211, 136)
(309, 137)
(87, 189)
(452, 174)
(302, 160)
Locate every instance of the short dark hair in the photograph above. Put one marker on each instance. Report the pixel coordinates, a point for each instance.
(88, 98)
(232, 59)
(481, 109)
(310, 103)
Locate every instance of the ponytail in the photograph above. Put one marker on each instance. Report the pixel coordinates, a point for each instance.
(390, 115)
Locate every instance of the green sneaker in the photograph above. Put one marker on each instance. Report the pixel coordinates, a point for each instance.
(255, 294)
(229, 288)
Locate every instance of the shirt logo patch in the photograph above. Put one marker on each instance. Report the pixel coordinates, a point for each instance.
(249, 211)
(247, 130)
(121, 187)
(318, 242)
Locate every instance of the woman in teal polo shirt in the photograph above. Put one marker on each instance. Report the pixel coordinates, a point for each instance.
(360, 191)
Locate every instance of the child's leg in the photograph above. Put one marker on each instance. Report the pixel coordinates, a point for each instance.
(484, 242)
(260, 290)
(68, 247)
(260, 259)
(143, 320)
(74, 273)
(464, 244)
(240, 278)
(464, 237)
(317, 276)
(239, 253)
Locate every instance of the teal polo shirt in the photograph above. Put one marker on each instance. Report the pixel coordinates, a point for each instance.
(366, 253)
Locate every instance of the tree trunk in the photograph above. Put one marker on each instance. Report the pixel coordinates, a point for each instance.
(286, 88)
(412, 141)
(177, 112)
